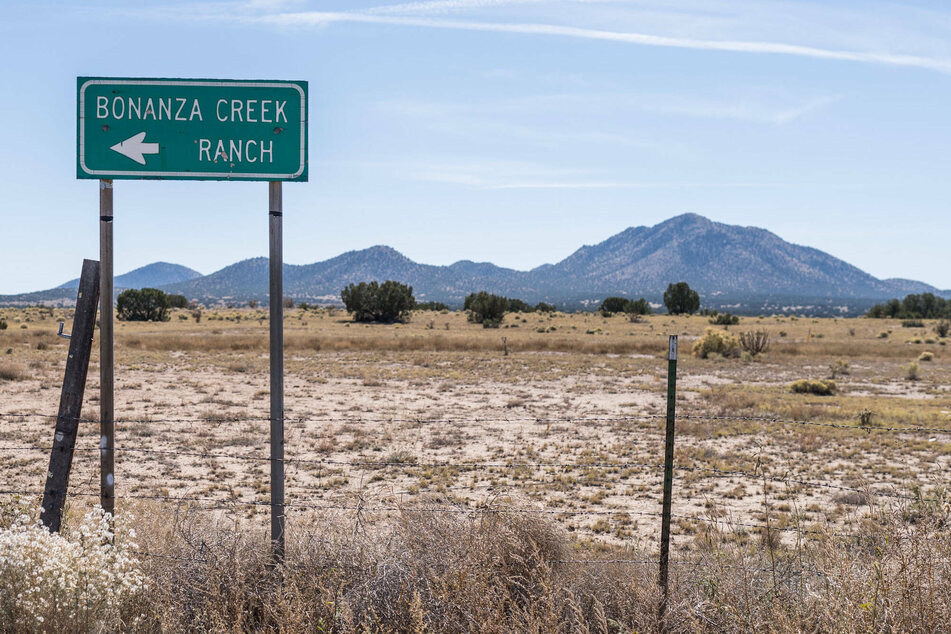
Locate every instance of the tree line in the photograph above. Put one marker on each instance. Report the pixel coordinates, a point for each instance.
(922, 306)
(391, 301)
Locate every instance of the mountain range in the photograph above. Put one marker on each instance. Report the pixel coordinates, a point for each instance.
(746, 269)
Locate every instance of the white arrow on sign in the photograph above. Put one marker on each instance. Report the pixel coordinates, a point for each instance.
(135, 148)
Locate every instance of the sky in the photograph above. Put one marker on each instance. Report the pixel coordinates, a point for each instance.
(510, 131)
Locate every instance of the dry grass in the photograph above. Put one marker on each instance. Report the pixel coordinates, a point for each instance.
(12, 372)
(501, 572)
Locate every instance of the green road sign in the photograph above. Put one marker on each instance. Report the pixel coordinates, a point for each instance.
(200, 129)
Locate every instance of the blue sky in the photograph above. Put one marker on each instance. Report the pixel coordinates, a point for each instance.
(502, 130)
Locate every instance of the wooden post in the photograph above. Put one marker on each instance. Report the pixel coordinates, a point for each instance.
(276, 307)
(107, 482)
(71, 398)
(668, 471)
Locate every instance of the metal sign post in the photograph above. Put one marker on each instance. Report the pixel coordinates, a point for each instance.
(107, 428)
(276, 308)
(193, 129)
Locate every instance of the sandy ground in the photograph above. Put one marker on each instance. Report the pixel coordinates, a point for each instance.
(382, 428)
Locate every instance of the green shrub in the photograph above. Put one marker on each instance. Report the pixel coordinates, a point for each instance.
(3, 324)
(718, 342)
(926, 356)
(177, 301)
(912, 323)
(680, 299)
(724, 319)
(373, 302)
(433, 306)
(542, 307)
(486, 309)
(820, 387)
(615, 305)
(147, 304)
(942, 328)
(518, 306)
(639, 307)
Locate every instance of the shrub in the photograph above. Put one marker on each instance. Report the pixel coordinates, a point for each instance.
(542, 307)
(639, 307)
(252, 303)
(912, 371)
(838, 367)
(12, 372)
(941, 328)
(680, 299)
(926, 356)
(177, 301)
(718, 342)
(486, 309)
(76, 583)
(724, 319)
(615, 305)
(755, 342)
(912, 323)
(3, 324)
(147, 304)
(288, 303)
(820, 387)
(373, 302)
(518, 306)
(433, 306)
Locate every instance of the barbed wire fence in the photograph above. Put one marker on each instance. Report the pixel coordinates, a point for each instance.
(759, 474)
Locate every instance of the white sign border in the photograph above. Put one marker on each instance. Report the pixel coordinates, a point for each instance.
(197, 82)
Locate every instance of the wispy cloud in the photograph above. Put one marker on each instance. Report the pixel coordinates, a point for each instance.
(515, 175)
(323, 18)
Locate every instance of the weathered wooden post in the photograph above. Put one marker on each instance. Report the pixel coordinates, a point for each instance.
(71, 398)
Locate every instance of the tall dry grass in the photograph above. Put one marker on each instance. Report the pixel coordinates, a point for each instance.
(500, 572)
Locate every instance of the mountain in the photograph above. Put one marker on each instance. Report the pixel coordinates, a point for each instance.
(742, 269)
(148, 276)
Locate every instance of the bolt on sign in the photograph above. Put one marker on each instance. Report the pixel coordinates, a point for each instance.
(193, 129)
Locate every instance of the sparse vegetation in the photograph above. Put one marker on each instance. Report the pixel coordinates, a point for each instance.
(403, 406)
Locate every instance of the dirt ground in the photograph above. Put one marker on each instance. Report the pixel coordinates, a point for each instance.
(562, 414)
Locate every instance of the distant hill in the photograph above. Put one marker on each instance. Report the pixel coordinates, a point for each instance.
(742, 269)
(747, 268)
(148, 276)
